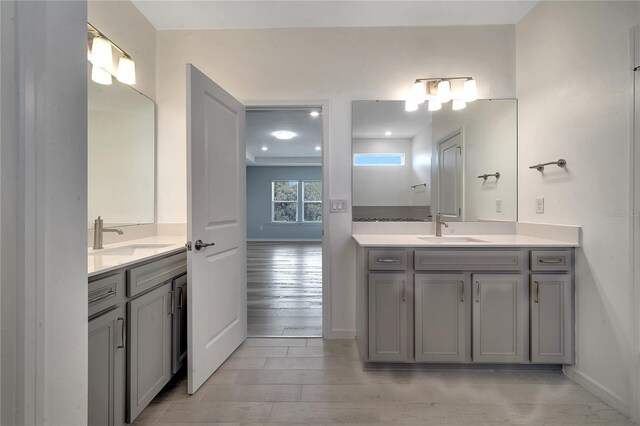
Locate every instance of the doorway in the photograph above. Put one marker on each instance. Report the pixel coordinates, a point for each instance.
(284, 221)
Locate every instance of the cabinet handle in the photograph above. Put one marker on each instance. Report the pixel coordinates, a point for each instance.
(172, 301)
(104, 296)
(179, 302)
(388, 260)
(536, 291)
(477, 291)
(556, 261)
(121, 345)
(462, 291)
(404, 291)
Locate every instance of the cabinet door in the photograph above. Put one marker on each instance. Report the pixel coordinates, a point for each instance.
(107, 368)
(440, 317)
(149, 357)
(551, 319)
(388, 317)
(179, 344)
(500, 316)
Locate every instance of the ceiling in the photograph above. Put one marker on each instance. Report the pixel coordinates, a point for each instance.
(300, 150)
(371, 119)
(213, 14)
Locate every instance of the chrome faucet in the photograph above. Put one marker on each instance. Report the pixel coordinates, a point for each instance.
(439, 224)
(98, 229)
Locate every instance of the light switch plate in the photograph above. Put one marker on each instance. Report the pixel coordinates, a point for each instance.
(540, 205)
(498, 206)
(338, 206)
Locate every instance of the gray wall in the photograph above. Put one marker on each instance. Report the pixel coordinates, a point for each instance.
(259, 204)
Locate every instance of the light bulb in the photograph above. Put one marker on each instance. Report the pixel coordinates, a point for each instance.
(387, 133)
(314, 113)
(434, 105)
(126, 71)
(458, 104)
(101, 53)
(284, 134)
(470, 90)
(410, 106)
(100, 76)
(444, 91)
(419, 92)
(264, 148)
(317, 148)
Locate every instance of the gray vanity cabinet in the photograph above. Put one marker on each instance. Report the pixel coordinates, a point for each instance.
(551, 318)
(388, 317)
(107, 343)
(149, 357)
(440, 317)
(500, 312)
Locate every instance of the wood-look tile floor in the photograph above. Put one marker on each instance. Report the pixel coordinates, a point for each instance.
(284, 289)
(312, 381)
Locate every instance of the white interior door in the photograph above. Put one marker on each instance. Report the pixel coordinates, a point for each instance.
(450, 177)
(217, 297)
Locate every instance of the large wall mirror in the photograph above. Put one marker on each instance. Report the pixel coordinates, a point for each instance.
(408, 166)
(121, 151)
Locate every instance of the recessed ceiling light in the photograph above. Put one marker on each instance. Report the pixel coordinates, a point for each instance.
(314, 113)
(264, 148)
(284, 134)
(317, 148)
(387, 133)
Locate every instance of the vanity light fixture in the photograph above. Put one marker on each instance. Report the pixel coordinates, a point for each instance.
(438, 91)
(101, 56)
(284, 134)
(314, 113)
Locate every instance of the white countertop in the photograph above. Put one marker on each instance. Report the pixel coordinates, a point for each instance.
(108, 259)
(487, 241)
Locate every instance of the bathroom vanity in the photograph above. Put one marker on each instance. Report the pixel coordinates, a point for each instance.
(137, 325)
(503, 299)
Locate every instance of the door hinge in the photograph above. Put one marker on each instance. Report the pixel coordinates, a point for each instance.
(188, 245)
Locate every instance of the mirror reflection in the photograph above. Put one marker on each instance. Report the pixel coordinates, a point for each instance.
(121, 155)
(408, 166)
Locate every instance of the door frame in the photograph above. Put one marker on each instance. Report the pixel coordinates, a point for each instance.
(325, 106)
(459, 131)
(634, 195)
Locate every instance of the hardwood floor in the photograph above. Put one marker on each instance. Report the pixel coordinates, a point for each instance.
(284, 289)
(314, 381)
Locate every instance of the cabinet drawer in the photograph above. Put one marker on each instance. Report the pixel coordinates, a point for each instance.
(105, 293)
(147, 276)
(468, 260)
(551, 260)
(387, 260)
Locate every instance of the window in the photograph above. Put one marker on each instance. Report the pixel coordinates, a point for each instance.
(378, 159)
(284, 201)
(312, 201)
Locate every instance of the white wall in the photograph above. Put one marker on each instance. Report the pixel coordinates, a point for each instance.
(335, 64)
(383, 185)
(421, 154)
(574, 91)
(123, 23)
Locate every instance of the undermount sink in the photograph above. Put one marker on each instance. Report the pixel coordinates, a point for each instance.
(130, 250)
(445, 240)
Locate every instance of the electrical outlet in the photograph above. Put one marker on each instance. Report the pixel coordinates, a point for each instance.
(498, 206)
(540, 205)
(261, 227)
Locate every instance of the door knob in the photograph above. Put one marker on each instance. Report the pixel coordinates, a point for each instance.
(199, 245)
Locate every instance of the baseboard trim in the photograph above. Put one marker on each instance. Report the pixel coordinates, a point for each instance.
(600, 391)
(341, 335)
